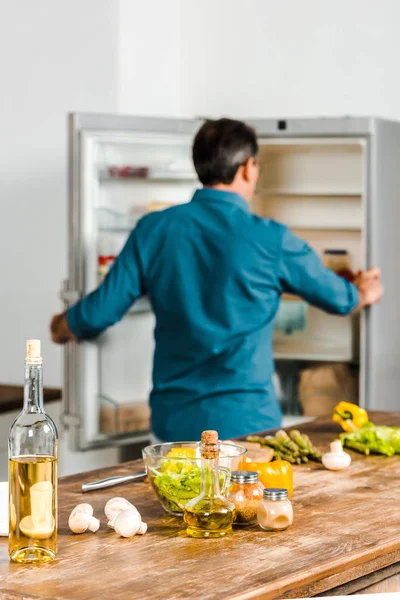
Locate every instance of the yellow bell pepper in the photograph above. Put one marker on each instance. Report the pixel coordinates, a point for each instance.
(182, 452)
(275, 474)
(349, 416)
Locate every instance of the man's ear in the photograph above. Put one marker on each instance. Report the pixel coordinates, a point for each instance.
(247, 169)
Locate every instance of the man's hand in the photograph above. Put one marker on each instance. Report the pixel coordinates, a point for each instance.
(369, 286)
(60, 332)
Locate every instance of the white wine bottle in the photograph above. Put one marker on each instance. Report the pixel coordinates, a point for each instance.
(32, 471)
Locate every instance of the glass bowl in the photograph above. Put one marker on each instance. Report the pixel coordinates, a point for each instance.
(174, 471)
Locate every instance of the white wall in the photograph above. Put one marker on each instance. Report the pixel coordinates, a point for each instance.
(55, 57)
(260, 58)
(291, 58)
(152, 58)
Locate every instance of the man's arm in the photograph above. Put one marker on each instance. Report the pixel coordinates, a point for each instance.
(302, 272)
(107, 304)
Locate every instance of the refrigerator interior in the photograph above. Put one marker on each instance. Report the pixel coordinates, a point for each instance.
(124, 178)
(317, 187)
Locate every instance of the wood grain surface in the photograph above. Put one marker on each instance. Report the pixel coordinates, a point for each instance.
(346, 527)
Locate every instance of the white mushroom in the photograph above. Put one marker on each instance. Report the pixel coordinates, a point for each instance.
(129, 523)
(114, 507)
(81, 519)
(336, 459)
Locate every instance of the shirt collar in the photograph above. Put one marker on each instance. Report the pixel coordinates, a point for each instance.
(213, 195)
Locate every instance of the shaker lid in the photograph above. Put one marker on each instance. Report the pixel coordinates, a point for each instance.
(244, 477)
(275, 494)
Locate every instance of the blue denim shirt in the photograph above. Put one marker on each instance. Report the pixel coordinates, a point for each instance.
(214, 273)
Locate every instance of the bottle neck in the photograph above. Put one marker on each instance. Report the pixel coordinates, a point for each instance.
(209, 477)
(33, 388)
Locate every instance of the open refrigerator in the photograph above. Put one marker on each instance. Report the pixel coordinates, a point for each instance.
(334, 182)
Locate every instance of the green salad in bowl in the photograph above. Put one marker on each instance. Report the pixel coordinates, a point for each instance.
(174, 470)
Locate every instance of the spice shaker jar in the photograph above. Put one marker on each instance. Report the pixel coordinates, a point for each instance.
(275, 512)
(246, 493)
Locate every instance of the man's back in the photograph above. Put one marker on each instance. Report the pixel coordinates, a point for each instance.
(209, 268)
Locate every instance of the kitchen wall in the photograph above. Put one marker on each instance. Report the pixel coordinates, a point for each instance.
(152, 57)
(55, 57)
(261, 58)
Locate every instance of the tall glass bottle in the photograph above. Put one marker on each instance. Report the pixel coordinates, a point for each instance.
(32, 472)
(210, 514)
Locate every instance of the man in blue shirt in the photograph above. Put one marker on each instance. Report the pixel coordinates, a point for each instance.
(214, 273)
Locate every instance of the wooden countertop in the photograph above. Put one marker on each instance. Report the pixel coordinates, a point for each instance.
(347, 525)
(12, 397)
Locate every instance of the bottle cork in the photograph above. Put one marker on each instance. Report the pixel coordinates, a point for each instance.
(33, 355)
(209, 444)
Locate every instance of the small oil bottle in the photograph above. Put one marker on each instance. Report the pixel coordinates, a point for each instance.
(32, 474)
(210, 515)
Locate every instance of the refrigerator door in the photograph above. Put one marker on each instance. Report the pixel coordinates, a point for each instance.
(383, 332)
(120, 168)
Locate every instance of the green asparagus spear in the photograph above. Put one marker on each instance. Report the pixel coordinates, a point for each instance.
(296, 448)
(357, 446)
(283, 437)
(281, 446)
(314, 452)
(304, 442)
(297, 437)
(256, 439)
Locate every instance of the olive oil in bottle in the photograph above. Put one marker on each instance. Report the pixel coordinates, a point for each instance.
(33, 472)
(209, 515)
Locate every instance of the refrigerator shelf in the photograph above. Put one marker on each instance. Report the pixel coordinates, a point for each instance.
(124, 229)
(311, 351)
(325, 227)
(105, 178)
(272, 192)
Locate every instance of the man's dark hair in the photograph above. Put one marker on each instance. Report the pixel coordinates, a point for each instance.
(220, 148)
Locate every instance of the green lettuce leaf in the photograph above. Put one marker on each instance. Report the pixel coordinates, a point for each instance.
(378, 440)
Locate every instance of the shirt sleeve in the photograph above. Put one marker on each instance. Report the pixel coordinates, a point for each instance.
(302, 272)
(106, 305)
